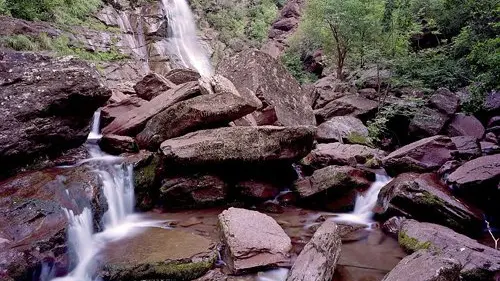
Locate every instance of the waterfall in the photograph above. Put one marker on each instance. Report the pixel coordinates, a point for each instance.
(365, 202)
(119, 220)
(183, 40)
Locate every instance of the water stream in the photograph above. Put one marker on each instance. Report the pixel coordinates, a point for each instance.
(183, 40)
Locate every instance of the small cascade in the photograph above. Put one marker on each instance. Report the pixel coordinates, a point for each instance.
(183, 40)
(119, 220)
(365, 202)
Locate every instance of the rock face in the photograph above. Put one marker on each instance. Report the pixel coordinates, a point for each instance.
(340, 128)
(47, 105)
(426, 266)
(257, 73)
(240, 145)
(466, 125)
(477, 261)
(134, 121)
(421, 156)
(319, 257)
(159, 254)
(481, 172)
(424, 198)
(32, 221)
(147, 169)
(193, 191)
(341, 154)
(333, 177)
(152, 85)
(352, 105)
(200, 112)
(246, 246)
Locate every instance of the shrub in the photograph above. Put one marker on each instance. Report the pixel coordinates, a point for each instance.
(20, 43)
(292, 62)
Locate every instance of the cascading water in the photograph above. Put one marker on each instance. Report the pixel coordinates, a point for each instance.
(119, 220)
(183, 40)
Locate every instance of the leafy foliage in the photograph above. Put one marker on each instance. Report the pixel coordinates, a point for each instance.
(60, 11)
(291, 60)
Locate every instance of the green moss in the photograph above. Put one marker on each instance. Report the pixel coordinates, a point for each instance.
(356, 138)
(412, 244)
(476, 275)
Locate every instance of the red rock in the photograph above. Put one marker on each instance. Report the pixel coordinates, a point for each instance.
(152, 85)
(465, 125)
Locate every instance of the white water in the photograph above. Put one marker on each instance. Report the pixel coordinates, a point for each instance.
(119, 220)
(365, 202)
(183, 40)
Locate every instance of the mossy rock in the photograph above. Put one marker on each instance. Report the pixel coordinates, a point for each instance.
(411, 244)
(160, 254)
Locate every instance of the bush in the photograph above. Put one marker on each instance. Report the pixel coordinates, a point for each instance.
(292, 62)
(20, 43)
(60, 11)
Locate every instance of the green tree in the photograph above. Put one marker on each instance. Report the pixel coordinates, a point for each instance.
(350, 30)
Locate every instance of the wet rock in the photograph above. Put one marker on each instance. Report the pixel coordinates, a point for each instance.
(340, 154)
(200, 112)
(152, 85)
(258, 189)
(392, 225)
(319, 257)
(33, 224)
(341, 128)
(114, 144)
(448, 168)
(147, 167)
(133, 121)
(212, 275)
(352, 105)
(112, 111)
(333, 177)
(445, 101)
(47, 105)
(159, 254)
(182, 75)
(256, 73)
(246, 246)
(425, 155)
(478, 173)
(193, 191)
(465, 125)
(426, 266)
(467, 147)
(478, 262)
(427, 122)
(424, 198)
(240, 145)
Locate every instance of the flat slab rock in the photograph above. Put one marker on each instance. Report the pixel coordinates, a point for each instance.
(319, 257)
(341, 154)
(477, 172)
(477, 261)
(159, 254)
(240, 144)
(252, 240)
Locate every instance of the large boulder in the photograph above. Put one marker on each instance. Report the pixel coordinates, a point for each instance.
(132, 122)
(336, 178)
(182, 75)
(492, 103)
(465, 125)
(246, 246)
(427, 122)
(197, 113)
(352, 105)
(424, 265)
(257, 73)
(477, 261)
(483, 172)
(424, 198)
(192, 191)
(421, 156)
(341, 128)
(33, 224)
(327, 89)
(467, 147)
(341, 154)
(47, 105)
(152, 85)
(240, 145)
(158, 253)
(445, 101)
(319, 257)
(112, 111)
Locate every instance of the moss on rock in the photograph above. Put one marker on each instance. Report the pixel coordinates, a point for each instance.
(411, 244)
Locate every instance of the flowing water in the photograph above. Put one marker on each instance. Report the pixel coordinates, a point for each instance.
(182, 38)
(119, 220)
